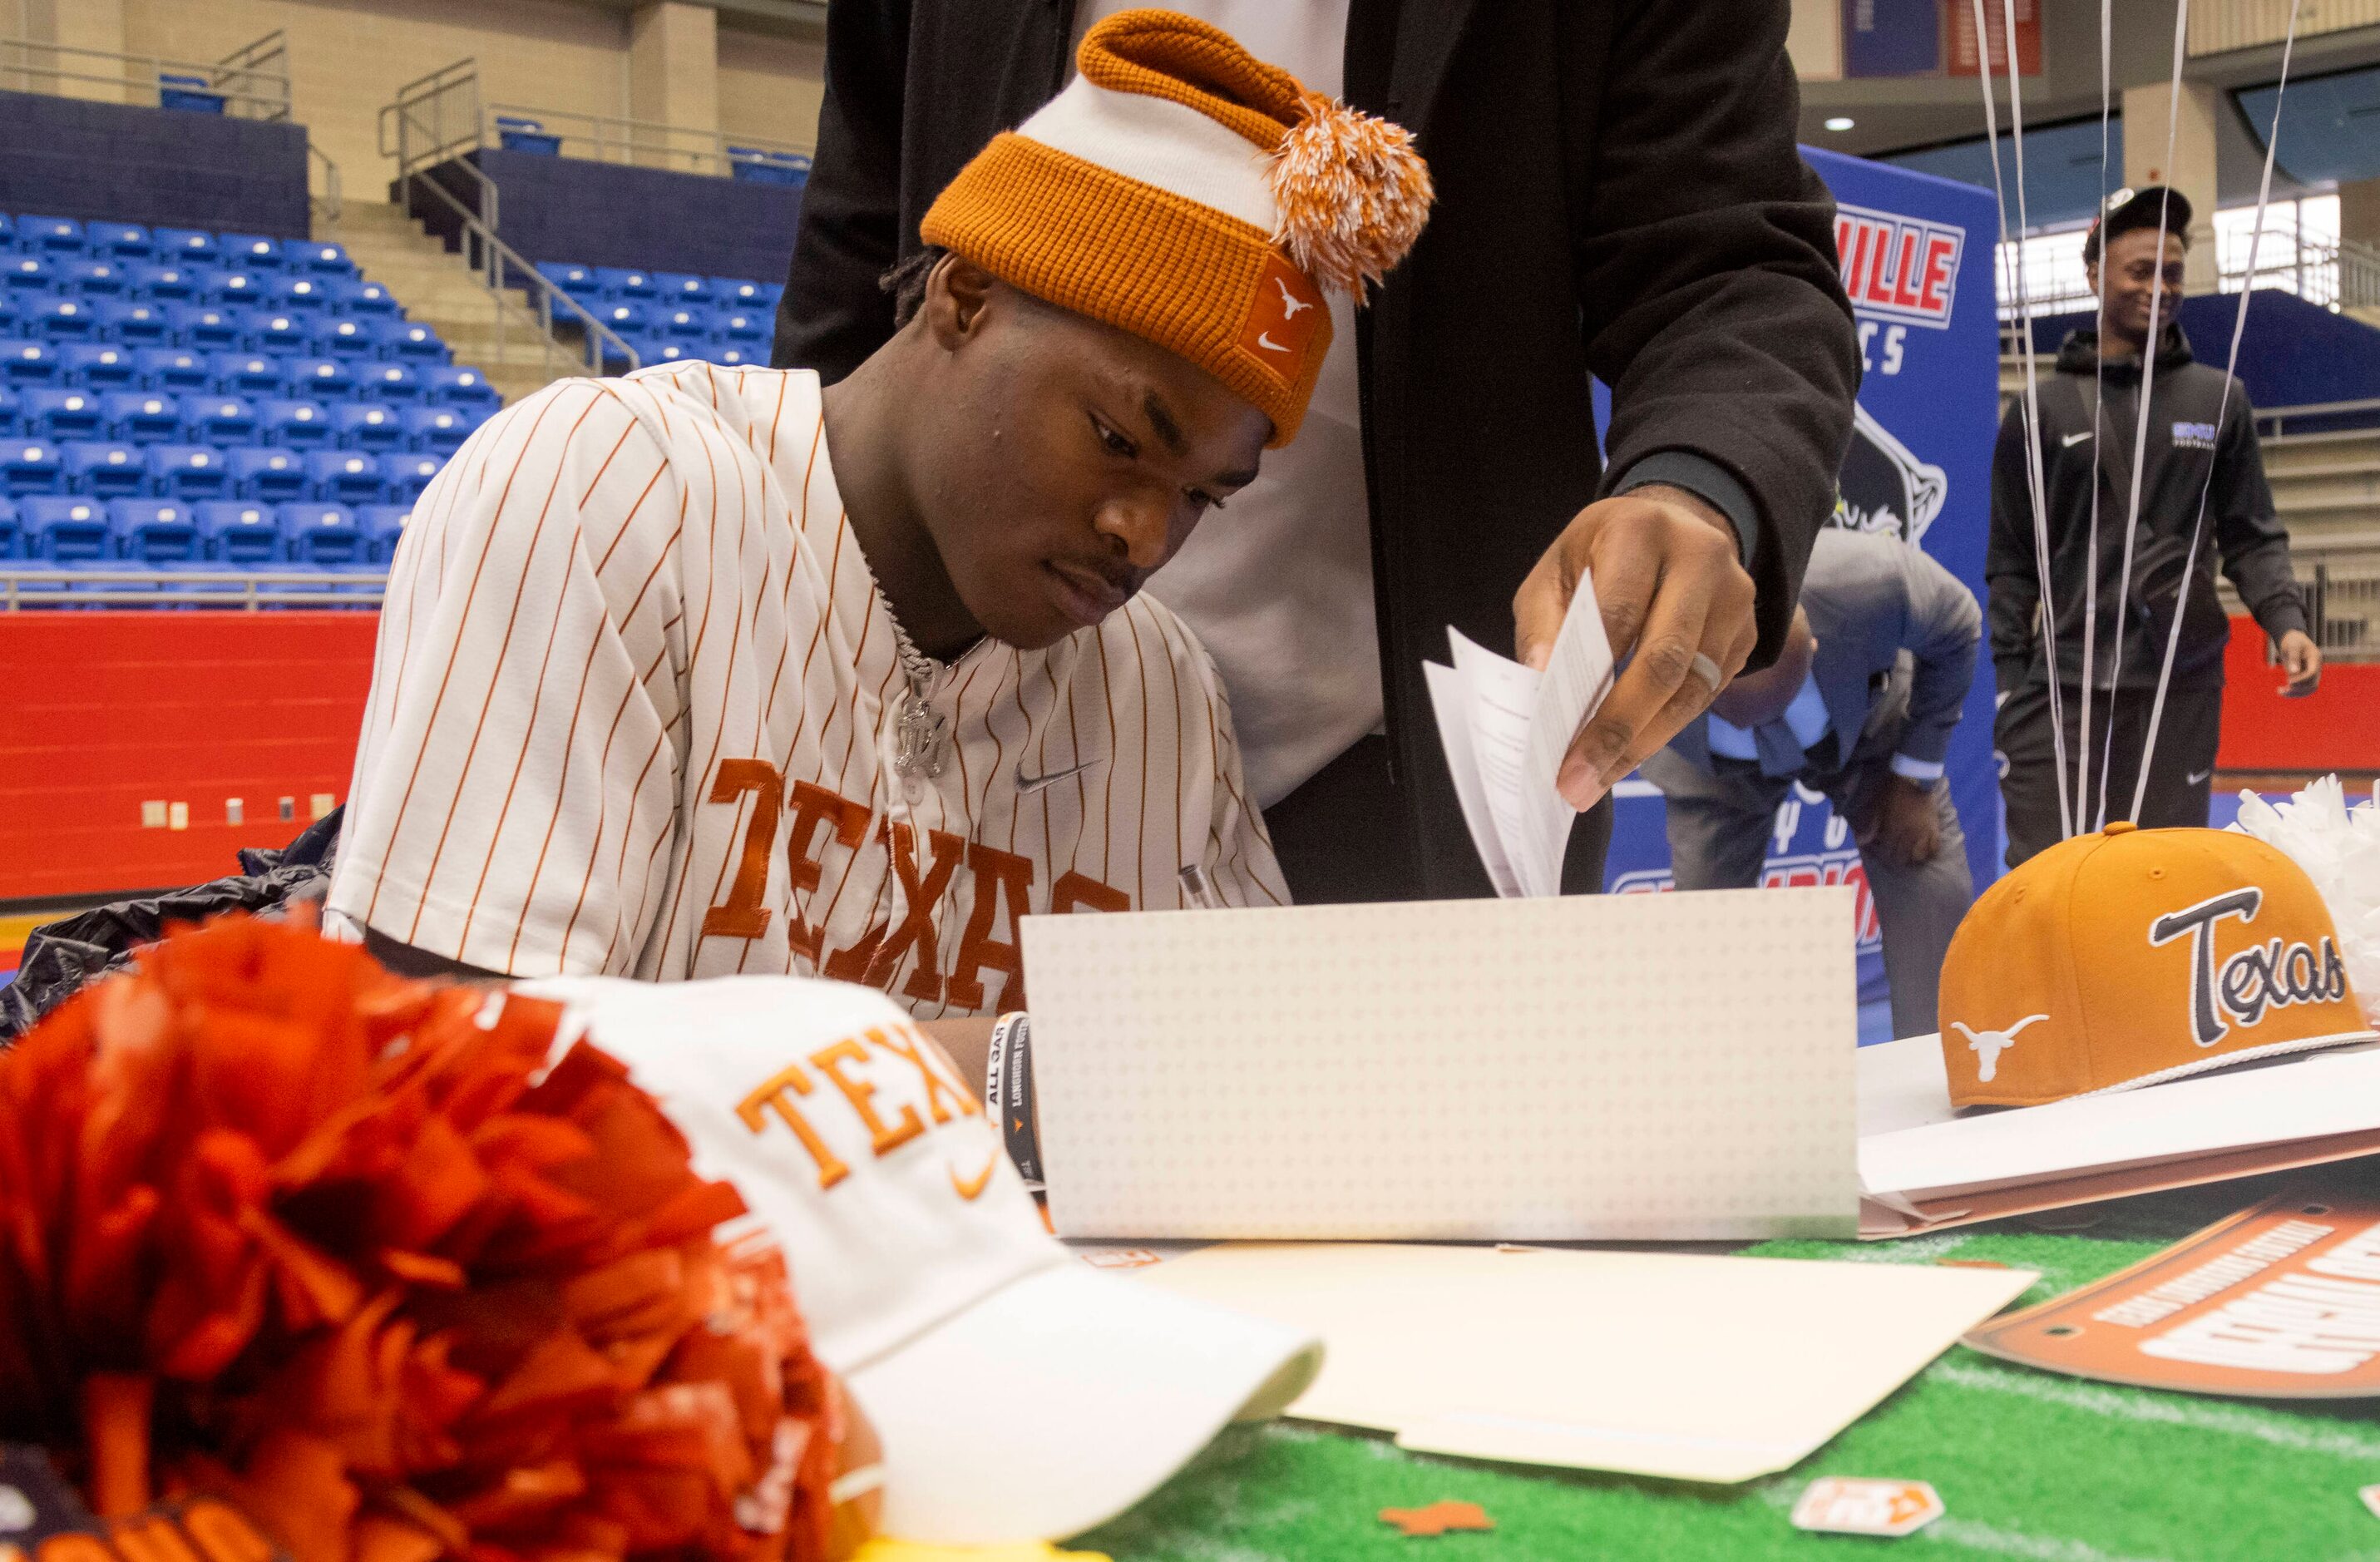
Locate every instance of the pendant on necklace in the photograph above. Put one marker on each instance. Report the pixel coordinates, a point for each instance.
(917, 735)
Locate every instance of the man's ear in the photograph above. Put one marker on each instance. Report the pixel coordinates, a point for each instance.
(2091, 275)
(956, 291)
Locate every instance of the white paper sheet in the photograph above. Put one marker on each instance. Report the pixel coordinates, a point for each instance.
(1505, 727)
(1655, 1068)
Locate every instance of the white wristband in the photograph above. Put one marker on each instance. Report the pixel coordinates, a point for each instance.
(1925, 772)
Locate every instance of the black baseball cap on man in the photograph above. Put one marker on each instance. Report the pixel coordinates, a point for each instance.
(2130, 209)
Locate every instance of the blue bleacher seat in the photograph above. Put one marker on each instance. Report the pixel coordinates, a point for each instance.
(169, 283)
(32, 466)
(238, 288)
(302, 291)
(62, 413)
(389, 381)
(174, 369)
(242, 535)
(143, 416)
(514, 133)
(65, 530)
(411, 343)
(128, 241)
(215, 418)
(346, 477)
(188, 92)
(683, 288)
(322, 260)
(771, 295)
(295, 424)
(761, 166)
(326, 379)
(8, 411)
(8, 231)
(685, 322)
(253, 251)
(7, 316)
(49, 235)
(625, 316)
(651, 351)
(154, 531)
(382, 525)
(733, 290)
(324, 533)
(369, 425)
(351, 297)
(99, 365)
(748, 326)
(404, 476)
(207, 327)
(26, 362)
(622, 283)
(30, 274)
(104, 468)
(454, 385)
(59, 319)
(135, 324)
(282, 331)
(189, 473)
(354, 337)
(737, 355)
(438, 430)
(268, 476)
(186, 245)
(96, 279)
(248, 373)
(11, 533)
(570, 278)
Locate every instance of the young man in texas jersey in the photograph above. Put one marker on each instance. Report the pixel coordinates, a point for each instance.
(704, 671)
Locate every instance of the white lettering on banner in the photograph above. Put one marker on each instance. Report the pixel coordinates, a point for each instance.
(1902, 268)
(2216, 1274)
(2300, 1324)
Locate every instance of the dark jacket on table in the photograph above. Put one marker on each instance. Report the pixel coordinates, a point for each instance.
(2192, 425)
(1883, 613)
(1619, 196)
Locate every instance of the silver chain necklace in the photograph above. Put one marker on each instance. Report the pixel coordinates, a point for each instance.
(920, 732)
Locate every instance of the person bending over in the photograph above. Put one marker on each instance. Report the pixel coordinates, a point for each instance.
(703, 671)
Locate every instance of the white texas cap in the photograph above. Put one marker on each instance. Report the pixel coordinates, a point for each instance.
(1019, 1395)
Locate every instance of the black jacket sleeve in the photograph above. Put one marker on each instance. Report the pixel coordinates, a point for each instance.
(2012, 567)
(1706, 274)
(2254, 543)
(833, 313)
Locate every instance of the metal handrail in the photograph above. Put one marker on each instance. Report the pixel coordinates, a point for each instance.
(613, 138)
(176, 587)
(270, 103)
(330, 203)
(2272, 422)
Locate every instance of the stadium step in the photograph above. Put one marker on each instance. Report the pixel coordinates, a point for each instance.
(437, 288)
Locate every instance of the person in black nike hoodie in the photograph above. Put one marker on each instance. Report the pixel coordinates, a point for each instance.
(2192, 427)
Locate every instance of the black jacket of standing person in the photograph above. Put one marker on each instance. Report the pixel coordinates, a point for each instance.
(1619, 195)
(2192, 428)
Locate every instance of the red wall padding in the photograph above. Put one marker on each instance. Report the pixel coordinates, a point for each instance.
(2335, 727)
(101, 712)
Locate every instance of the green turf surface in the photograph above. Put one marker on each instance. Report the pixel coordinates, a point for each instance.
(2028, 1464)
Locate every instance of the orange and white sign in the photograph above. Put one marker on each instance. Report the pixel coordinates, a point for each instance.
(1850, 1505)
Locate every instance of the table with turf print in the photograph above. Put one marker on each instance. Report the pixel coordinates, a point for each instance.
(2028, 1464)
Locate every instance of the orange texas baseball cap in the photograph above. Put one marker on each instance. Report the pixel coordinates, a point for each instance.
(2132, 956)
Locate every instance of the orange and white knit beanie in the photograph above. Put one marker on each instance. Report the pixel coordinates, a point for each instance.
(1183, 190)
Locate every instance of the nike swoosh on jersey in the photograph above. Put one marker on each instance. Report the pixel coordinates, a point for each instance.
(2194, 780)
(2073, 439)
(1027, 784)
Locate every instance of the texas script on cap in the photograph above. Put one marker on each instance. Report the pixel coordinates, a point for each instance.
(2131, 956)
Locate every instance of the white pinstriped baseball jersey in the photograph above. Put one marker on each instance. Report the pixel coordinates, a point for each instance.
(633, 714)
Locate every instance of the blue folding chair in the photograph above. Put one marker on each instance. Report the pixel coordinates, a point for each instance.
(12, 532)
(346, 477)
(742, 323)
(174, 369)
(60, 319)
(189, 473)
(249, 374)
(143, 417)
(453, 386)
(437, 431)
(168, 282)
(104, 468)
(62, 413)
(389, 381)
(327, 379)
(403, 477)
(729, 291)
(237, 288)
(64, 531)
(128, 241)
(322, 260)
(191, 246)
(207, 327)
(137, 324)
(281, 331)
(295, 424)
(621, 283)
(99, 366)
(219, 419)
(356, 337)
(302, 291)
(369, 425)
(383, 526)
(686, 323)
(59, 236)
(353, 296)
(411, 342)
(9, 410)
(683, 288)
(32, 467)
(29, 274)
(320, 533)
(154, 531)
(96, 279)
(268, 476)
(243, 536)
(253, 251)
(571, 278)
(26, 363)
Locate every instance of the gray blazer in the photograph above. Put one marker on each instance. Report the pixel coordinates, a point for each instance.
(1872, 600)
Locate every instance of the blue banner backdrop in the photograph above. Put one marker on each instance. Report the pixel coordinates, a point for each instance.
(1917, 261)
